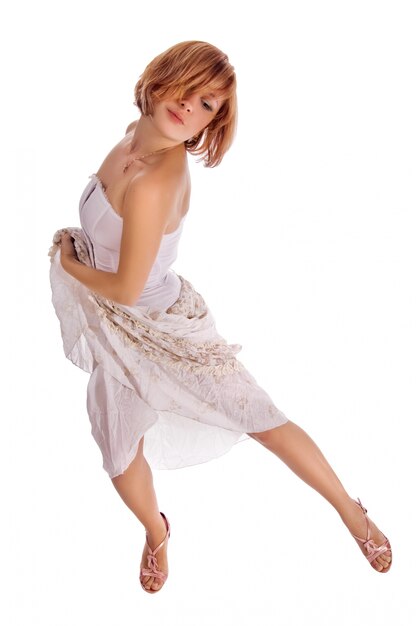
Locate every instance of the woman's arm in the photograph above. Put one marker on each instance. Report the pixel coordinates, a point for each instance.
(146, 209)
(147, 206)
(104, 283)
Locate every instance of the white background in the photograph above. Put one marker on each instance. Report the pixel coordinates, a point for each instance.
(302, 242)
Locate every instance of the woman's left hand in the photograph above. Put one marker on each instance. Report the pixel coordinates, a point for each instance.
(67, 246)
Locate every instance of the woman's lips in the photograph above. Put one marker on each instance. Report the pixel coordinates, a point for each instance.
(175, 117)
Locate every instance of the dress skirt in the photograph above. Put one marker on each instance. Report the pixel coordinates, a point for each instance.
(166, 374)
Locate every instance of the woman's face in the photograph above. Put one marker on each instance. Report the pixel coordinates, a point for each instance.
(183, 119)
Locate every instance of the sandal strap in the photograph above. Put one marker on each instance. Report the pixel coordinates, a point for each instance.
(364, 510)
(153, 552)
(162, 542)
(373, 550)
(152, 563)
(152, 570)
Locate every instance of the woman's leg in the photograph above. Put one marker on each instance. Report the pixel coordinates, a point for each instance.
(136, 489)
(295, 448)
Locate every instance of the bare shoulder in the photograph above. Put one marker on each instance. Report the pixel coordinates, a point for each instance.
(131, 126)
(166, 183)
(156, 184)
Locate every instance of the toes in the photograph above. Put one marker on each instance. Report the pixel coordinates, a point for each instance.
(147, 581)
(382, 562)
(385, 558)
(377, 564)
(150, 582)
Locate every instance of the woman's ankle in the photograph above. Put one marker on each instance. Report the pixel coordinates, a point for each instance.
(156, 527)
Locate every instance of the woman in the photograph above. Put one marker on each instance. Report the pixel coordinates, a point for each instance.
(158, 366)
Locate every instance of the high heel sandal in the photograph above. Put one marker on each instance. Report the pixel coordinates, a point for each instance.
(373, 551)
(151, 569)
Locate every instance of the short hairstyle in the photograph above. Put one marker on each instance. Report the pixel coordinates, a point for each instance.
(185, 68)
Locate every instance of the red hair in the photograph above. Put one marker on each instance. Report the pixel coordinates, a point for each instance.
(186, 68)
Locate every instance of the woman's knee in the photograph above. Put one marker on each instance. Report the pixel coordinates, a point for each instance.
(139, 457)
(136, 464)
(140, 446)
(272, 433)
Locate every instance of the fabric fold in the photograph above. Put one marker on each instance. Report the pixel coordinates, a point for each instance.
(166, 374)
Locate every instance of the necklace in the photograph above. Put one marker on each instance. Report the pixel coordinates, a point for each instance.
(143, 156)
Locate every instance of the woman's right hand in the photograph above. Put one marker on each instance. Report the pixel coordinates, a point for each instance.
(67, 246)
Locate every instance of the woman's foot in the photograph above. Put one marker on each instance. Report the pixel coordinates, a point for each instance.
(155, 536)
(356, 522)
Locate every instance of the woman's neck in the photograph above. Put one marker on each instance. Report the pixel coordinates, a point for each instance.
(146, 139)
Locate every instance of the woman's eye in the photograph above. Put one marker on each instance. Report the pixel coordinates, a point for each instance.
(206, 105)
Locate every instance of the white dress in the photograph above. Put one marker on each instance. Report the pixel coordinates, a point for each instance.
(158, 368)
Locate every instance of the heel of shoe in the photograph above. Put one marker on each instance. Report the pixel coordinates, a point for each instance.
(360, 504)
(166, 522)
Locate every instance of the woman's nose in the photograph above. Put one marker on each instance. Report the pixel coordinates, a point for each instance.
(185, 105)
